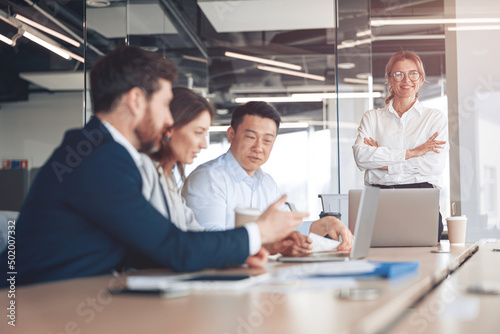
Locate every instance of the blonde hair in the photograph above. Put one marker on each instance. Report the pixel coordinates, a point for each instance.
(402, 55)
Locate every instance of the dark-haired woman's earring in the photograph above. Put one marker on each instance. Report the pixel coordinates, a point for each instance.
(168, 138)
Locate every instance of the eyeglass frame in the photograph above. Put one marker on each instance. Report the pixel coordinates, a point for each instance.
(406, 74)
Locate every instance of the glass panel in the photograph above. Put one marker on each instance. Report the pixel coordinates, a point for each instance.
(355, 83)
(369, 46)
(315, 141)
(41, 77)
(474, 95)
(304, 45)
(157, 26)
(106, 29)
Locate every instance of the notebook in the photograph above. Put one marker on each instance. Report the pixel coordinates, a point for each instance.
(405, 217)
(362, 236)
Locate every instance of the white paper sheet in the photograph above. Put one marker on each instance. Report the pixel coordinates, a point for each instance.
(353, 267)
(321, 244)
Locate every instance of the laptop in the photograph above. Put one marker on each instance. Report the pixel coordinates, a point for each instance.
(362, 236)
(405, 217)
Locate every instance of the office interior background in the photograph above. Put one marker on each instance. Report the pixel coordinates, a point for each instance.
(320, 62)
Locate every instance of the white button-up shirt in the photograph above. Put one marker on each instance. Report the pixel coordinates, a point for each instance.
(394, 135)
(216, 188)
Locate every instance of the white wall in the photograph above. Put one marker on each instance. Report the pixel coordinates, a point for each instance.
(32, 129)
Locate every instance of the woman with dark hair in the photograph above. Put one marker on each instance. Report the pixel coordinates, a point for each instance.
(403, 144)
(182, 142)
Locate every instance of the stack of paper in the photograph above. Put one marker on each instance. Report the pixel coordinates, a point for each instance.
(350, 269)
(321, 244)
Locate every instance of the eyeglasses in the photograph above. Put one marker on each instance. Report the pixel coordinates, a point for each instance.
(399, 76)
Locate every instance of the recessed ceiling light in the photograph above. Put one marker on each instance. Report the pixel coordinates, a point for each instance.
(346, 66)
(262, 60)
(363, 75)
(222, 111)
(150, 48)
(349, 43)
(378, 22)
(295, 73)
(98, 3)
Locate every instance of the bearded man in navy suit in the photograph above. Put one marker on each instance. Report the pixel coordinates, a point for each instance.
(85, 213)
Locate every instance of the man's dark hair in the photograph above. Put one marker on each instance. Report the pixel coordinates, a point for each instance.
(262, 109)
(124, 68)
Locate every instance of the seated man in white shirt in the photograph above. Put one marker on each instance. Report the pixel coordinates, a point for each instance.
(216, 188)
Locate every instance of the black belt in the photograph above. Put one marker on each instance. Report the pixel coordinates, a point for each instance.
(404, 186)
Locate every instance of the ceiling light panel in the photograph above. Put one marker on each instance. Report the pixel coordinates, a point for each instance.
(98, 3)
(47, 30)
(267, 15)
(47, 45)
(294, 73)
(6, 40)
(263, 60)
(475, 28)
(385, 22)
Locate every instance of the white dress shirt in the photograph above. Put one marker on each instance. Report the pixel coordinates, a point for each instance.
(160, 189)
(395, 135)
(216, 188)
(120, 139)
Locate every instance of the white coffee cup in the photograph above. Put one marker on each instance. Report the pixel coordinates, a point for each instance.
(457, 227)
(245, 215)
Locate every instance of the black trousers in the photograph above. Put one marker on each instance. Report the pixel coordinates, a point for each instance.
(415, 185)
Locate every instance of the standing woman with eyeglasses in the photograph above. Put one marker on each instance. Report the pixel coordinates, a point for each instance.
(404, 144)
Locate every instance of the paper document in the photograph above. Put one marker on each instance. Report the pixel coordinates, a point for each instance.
(322, 244)
(304, 284)
(326, 269)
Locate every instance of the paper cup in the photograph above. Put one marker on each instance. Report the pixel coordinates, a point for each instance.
(245, 215)
(457, 227)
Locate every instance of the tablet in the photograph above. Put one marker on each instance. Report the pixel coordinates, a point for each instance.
(200, 281)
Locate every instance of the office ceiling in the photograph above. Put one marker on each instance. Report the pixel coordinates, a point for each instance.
(195, 34)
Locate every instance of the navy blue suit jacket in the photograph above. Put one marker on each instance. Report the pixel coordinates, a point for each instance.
(85, 215)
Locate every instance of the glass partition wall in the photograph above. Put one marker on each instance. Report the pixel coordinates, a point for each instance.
(319, 62)
(288, 59)
(154, 25)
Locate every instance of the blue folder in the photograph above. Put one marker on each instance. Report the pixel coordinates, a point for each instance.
(386, 269)
(394, 269)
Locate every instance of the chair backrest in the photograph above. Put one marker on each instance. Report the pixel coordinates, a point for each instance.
(332, 202)
(14, 184)
(336, 203)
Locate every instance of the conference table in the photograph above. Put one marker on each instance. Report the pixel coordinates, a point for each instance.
(415, 303)
(466, 302)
